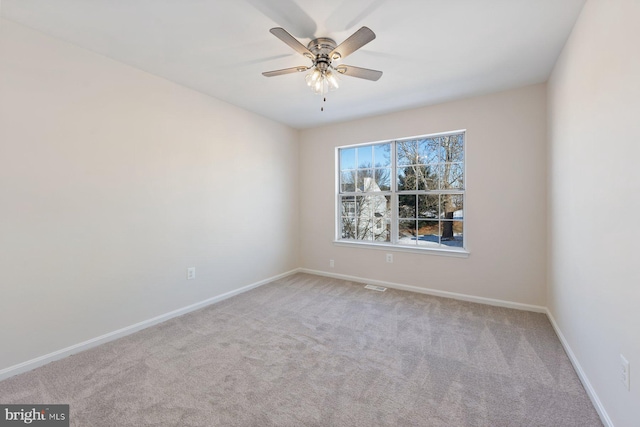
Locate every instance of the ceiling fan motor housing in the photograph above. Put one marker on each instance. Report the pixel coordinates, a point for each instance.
(321, 48)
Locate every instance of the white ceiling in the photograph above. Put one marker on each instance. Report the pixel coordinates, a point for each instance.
(429, 50)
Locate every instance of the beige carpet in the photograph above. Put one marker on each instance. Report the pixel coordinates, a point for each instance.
(313, 351)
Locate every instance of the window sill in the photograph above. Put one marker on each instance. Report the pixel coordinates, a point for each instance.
(457, 253)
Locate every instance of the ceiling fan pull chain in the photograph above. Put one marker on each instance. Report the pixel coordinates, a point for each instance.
(324, 97)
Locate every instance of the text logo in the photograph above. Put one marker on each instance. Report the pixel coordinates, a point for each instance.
(34, 415)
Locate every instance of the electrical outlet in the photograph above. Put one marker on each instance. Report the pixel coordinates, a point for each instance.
(332, 263)
(389, 257)
(624, 371)
(191, 273)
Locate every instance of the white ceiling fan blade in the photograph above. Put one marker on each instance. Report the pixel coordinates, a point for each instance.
(283, 35)
(358, 39)
(361, 73)
(285, 71)
(287, 14)
(350, 13)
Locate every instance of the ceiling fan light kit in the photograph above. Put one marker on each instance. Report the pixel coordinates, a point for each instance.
(320, 82)
(322, 52)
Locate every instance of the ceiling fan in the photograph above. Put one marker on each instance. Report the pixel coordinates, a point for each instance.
(323, 53)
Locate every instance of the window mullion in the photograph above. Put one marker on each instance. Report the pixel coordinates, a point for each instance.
(394, 198)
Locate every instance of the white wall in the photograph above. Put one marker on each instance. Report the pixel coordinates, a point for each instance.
(594, 147)
(113, 182)
(505, 210)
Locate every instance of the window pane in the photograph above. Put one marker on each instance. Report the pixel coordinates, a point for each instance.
(347, 181)
(447, 206)
(376, 206)
(348, 230)
(450, 204)
(373, 213)
(452, 233)
(407, 232)
(383, 227)
(407, 153)
(404, 183)
(365, 156)
(414, 177)
(347, 158)
(429, 151)
(427, 177)
(407, 206)
(348, 207)
(447, 230)
(451, 176)
(380, 207)
(365, 180)
(428, 207)
(452, 148)
(365, 226)
(382, 155)
(428, 233)
(363, 216)
(457, 205)
(383, 179)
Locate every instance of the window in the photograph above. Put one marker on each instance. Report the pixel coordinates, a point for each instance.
(407, 193)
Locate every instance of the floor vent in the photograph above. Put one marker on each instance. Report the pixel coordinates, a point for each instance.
(375, 288)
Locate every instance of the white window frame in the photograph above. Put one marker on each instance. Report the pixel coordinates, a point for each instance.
(393, 244)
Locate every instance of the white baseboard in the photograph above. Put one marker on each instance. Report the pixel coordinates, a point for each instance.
(93, 342)
(604, 417)
(435, 292)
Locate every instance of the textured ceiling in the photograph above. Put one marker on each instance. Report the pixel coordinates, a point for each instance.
(429, 50)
